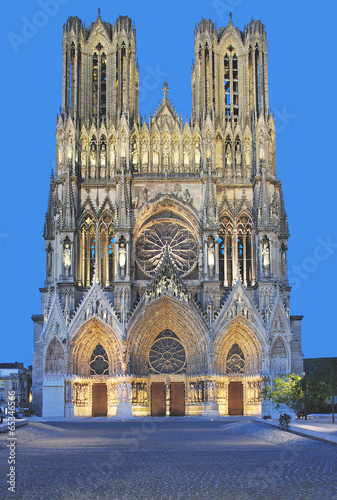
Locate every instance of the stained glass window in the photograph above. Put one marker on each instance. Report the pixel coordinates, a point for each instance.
(167, 354)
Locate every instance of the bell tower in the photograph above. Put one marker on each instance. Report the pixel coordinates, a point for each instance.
(100, 75)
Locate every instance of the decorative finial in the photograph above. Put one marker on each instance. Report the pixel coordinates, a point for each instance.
(99, 13)
(165, 89)
(230, 16)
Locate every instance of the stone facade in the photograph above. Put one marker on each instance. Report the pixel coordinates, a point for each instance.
(166, 286)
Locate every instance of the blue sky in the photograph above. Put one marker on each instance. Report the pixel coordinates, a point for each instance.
(302, 62)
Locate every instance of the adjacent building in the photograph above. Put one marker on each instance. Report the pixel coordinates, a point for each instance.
(17, 380)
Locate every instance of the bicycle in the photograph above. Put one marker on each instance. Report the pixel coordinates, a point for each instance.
(284, 421)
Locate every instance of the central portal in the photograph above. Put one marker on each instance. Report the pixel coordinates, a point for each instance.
(177, 408)
(177, 399)
(99, 400)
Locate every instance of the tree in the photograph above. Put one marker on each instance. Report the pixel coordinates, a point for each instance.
(321, 380)
(286, 390)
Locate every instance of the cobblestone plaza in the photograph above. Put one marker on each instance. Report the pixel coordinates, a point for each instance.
(229, 458)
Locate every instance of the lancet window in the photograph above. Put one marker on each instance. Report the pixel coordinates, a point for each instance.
(99, 82)
(72, 75)
(97, 249)
(235, 250)
(231, 84)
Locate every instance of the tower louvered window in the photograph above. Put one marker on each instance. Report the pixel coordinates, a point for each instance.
(231, 84)
(99, 82)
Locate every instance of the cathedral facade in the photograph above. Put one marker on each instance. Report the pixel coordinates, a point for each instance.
(166, 289)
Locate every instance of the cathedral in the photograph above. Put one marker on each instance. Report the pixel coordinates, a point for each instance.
(166, 289)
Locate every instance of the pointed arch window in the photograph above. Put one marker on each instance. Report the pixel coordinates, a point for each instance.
(245, 249)
(97, 248)
(235, 251)
(235, 362)
(258, 80)
(99, 82)
(226, 251)
(231, 84)
(72, 75)
(107, 250)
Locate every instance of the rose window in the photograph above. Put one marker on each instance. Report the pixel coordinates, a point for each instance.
(167, 354)
(182, 247)
(235, 360)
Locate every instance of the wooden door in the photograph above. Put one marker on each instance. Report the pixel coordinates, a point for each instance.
(158, 405)
(99, 400)
(235, 398)
(177, 399)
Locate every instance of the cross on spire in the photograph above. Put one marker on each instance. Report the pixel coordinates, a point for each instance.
(165, 89)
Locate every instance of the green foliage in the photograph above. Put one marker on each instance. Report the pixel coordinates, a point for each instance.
(321, 384)
(286, 390)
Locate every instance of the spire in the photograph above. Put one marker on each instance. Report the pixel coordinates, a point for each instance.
(123, 203)
(165, 89)
(48, 232)
(68, 203)
(98, 13)
(284, 228)
(210, 204)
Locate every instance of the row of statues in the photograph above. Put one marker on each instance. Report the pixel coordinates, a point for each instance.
(166, 286)
(198, 392)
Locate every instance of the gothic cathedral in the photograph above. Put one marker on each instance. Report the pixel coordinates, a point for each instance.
(166, 289)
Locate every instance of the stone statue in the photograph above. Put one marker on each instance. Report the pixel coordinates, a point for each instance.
(49, 261)
(67, 316)
(265, 255)
(211, 256)
(228, 155)
(112, 156)
(187, 196)
(135, 198)
(238, 156)
(123, 144)
(122, 256)
(93, 155)
(67, 256)
(166, 154)
(103, 155)
(145, 195)
(84, 154)
(197, 154)
(247, 152)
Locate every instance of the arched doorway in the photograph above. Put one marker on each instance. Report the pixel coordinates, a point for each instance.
(167, 356)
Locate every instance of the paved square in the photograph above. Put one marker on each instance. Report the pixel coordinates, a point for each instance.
(185, 458)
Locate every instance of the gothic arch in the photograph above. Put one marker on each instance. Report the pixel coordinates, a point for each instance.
(54, 360)
(167, 313)
(178, 208)
(91, 334)
(239, 332)
(280, 356)
(162, 226)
